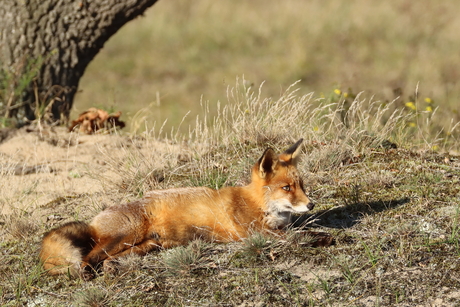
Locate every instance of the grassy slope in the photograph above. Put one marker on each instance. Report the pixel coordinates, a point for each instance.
(393, 211)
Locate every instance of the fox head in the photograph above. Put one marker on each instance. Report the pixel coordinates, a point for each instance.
(283, 189)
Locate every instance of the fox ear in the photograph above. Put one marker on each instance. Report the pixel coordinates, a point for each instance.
(292, 153)
(267, 163)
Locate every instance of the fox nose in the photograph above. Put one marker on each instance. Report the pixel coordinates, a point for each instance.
(310, 206)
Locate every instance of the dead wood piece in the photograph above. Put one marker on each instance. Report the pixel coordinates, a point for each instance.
(34, 169)
(95, 119)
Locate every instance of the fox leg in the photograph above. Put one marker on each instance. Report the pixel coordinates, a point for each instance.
(171, 243)
(140, 249)
(103, 249)
(111, 250)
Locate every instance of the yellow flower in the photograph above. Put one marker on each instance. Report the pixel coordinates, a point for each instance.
(429, 109)
(412, 124)
(428, 100)
(435, 147)
(410, 105)
(337, 91)
(316, 128)
(345, 94)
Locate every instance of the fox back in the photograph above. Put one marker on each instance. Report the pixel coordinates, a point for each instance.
(172, 217)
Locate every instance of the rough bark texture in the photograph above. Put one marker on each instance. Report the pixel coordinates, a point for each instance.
(66, 35)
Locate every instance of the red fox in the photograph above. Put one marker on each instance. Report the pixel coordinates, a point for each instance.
(172, 217)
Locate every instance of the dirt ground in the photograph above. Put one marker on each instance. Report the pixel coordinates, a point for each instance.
(42, 166)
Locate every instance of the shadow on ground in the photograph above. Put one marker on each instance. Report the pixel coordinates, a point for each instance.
(347, 216)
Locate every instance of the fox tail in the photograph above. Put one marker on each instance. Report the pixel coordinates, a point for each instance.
(63, 248)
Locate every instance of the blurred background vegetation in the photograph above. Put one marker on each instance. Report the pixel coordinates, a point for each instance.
(161, 66)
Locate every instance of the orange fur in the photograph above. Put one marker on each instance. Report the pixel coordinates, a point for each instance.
(172, 217)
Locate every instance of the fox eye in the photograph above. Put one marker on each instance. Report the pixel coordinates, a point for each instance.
(287, 188)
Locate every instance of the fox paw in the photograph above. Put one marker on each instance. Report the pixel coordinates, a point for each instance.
(87, 273)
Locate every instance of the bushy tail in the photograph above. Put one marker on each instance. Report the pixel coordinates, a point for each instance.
(63, 248)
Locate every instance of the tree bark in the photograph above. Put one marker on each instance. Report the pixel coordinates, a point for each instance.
(66, 35)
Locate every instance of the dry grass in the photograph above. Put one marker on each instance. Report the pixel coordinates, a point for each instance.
(181, 51)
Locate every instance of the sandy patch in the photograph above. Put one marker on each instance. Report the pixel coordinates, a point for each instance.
(41, 167)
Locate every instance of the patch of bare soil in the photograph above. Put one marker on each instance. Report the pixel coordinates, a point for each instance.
(46, 168)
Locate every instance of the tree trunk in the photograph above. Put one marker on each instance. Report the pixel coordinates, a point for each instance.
(65, 35)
